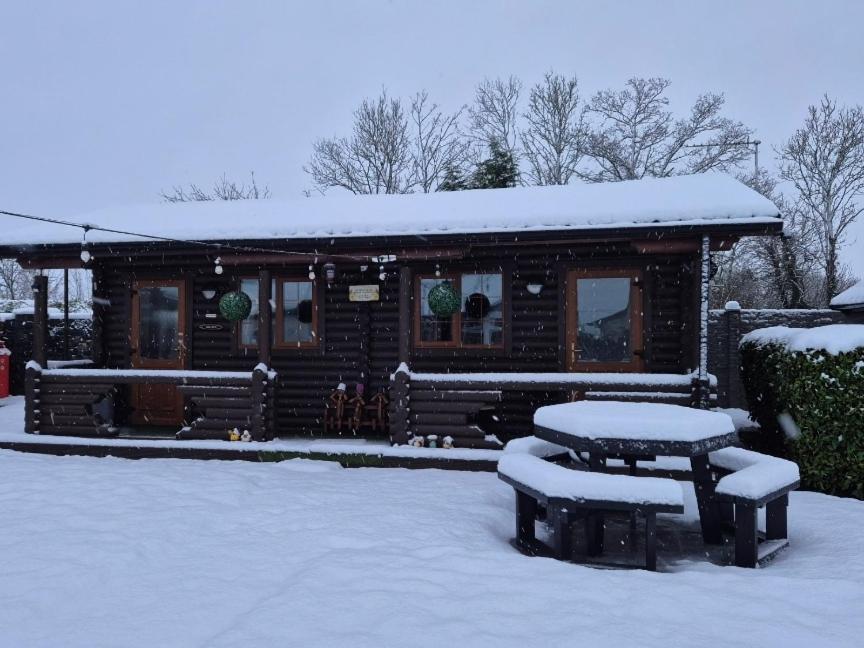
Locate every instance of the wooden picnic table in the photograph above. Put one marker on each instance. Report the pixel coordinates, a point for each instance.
(612, 428)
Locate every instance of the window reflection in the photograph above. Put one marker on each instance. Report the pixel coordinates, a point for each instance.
(159, 322)
(297, 312)
(432, 327)
(481, 309)
(603, 306)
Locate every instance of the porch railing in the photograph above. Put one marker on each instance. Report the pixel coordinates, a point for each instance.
(80, 402)
(443, 404)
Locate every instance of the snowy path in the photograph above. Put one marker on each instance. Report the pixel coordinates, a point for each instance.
(109, 552)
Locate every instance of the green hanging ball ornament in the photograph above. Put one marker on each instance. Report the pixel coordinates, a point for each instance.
(443, 300)
(235, 306)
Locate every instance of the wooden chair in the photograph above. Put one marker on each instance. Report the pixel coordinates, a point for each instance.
(376, 412)
(356, 406)
(334, 410)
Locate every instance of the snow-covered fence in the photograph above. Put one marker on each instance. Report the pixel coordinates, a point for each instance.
(16, 330)
(727, 326)
(82, 402)
(449, 404)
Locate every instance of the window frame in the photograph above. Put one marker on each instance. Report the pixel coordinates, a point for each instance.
(278, 321)
(278, 316)
(637, 319)
(455, 276)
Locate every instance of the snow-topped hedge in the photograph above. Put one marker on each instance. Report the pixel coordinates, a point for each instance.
(805, 387)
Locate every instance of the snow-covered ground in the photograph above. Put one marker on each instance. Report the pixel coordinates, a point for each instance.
(110, 552)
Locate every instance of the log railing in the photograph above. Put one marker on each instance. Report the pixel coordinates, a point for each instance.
(80, 402)
(423, 403)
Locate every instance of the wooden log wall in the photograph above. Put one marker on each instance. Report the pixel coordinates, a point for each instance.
(350, 347)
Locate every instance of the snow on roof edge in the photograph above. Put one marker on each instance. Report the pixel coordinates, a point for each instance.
(681, 201)
(852, 296)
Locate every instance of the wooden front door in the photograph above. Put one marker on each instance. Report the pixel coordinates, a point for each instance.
(158, 340)
(604, 320)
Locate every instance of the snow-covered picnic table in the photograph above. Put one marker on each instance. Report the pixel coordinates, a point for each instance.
(631, 430)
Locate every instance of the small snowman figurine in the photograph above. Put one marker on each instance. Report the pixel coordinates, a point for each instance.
(448, 442)
(433, 440)
(246, 436)
(417, 441)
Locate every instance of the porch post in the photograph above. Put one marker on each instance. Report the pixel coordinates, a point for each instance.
(65, 313)
(704, 385)
(406, 297)
(40, 320)
(265, 316)
(99, 312)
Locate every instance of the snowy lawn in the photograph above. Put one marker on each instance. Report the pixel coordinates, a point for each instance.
(110, 552)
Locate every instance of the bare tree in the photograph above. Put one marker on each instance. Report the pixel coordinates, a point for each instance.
(636, 135)
(375, 159)
(824, 161)
(223, 189)
(14, 280)
(784, 264)
(494, 114)
(438, 145)
(554, 140)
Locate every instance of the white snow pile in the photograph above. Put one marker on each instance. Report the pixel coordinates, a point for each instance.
(852, 296)
(556, 481)
(833, 338)
(641, 421)
(755, 475)
(109, 552)
(654, 202)
(533, 446)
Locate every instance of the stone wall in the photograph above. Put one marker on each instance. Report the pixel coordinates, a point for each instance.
(725, 329)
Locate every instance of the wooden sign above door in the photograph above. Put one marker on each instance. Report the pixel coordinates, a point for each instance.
(364, 293)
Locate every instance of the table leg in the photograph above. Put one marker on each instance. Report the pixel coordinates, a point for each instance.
(596, 525)
(709, 511)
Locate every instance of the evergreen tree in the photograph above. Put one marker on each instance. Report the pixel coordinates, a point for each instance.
(453, 180)
(498, 171)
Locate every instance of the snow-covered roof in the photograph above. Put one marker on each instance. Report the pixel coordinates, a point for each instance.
(695, 200)
(853, 296)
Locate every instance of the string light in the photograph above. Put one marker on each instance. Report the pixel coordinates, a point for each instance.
(85, 253)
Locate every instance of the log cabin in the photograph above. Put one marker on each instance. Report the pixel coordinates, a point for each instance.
(443, 319)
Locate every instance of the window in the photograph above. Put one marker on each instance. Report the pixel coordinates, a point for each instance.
(249, 326)
(479, 321)
(295, 313)
(604, 320)
(295, 317)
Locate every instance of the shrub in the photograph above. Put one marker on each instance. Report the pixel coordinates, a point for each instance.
(822, 391)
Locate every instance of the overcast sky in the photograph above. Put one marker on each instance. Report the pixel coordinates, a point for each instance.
(105, 103)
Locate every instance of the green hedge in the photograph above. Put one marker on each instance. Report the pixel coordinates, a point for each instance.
(824, 395)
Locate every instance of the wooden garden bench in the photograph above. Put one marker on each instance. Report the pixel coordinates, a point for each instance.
(748, 481)
(571, 495)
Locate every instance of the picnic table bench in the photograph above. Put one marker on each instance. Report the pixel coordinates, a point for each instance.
(749, 481)
(572, 495)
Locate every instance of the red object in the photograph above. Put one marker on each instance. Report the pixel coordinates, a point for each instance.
(5, 355)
